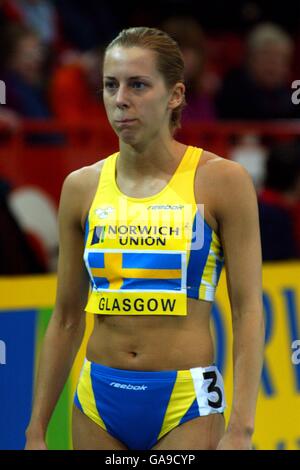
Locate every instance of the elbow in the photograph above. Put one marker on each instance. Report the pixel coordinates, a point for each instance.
(251, 318)
(69, 321)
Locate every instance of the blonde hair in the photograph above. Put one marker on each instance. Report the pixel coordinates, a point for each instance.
(169, 58)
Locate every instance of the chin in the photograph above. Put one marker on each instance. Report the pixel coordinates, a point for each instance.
(130, 138)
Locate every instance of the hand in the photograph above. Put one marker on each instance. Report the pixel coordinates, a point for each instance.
(235, 441)
(35, 444)
(35, 438)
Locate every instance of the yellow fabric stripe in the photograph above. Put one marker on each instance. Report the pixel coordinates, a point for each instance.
(202, 292)
(105, 179)
(210, 267)
(183, 179)
(189, 232)
(137, 273)
(113, 263)
(182, 397)
(216, 242)
(86, 395)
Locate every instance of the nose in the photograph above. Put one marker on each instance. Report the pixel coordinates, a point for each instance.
(122, 99)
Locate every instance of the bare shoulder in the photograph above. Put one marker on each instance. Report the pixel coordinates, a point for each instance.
(222, 185)
(81, 178)
(224, 173)
(220, 164)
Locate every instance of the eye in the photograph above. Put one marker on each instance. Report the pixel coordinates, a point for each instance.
(110, 85)
(138, 85)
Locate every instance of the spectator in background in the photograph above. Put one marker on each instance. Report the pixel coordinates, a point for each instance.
(249, 151)
(74, 85)
(261, 88)
(9, 121)
(279, 204)
(188, 34)
(17, 253)
(39, 15)
(22, 58)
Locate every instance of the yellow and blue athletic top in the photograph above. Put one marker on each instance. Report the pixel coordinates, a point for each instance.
(145, 256)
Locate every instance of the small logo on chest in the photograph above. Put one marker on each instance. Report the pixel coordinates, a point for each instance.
(104, 212)
(167, 207)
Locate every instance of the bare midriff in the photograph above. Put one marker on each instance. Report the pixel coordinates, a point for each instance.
(153, 343)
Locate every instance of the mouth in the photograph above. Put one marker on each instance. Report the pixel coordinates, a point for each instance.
(124, 121)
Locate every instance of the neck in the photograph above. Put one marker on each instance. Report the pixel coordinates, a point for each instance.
(160, 157)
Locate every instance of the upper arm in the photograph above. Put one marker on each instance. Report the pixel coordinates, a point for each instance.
(237, 213)
(72, 277)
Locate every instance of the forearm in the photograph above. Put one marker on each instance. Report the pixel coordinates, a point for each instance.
(59, 350)
(248, 331)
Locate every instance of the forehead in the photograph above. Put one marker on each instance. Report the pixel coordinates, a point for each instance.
(131, 61)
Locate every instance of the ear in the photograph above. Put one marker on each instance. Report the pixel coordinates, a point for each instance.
(177, 95)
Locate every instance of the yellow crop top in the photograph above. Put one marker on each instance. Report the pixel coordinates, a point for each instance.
(145, 256)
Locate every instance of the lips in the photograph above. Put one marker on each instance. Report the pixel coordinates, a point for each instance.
(124, 121)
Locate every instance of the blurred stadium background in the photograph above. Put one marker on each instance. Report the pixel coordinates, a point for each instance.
(241, 62)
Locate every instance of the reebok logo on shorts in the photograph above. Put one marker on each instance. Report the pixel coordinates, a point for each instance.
(129, 386)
